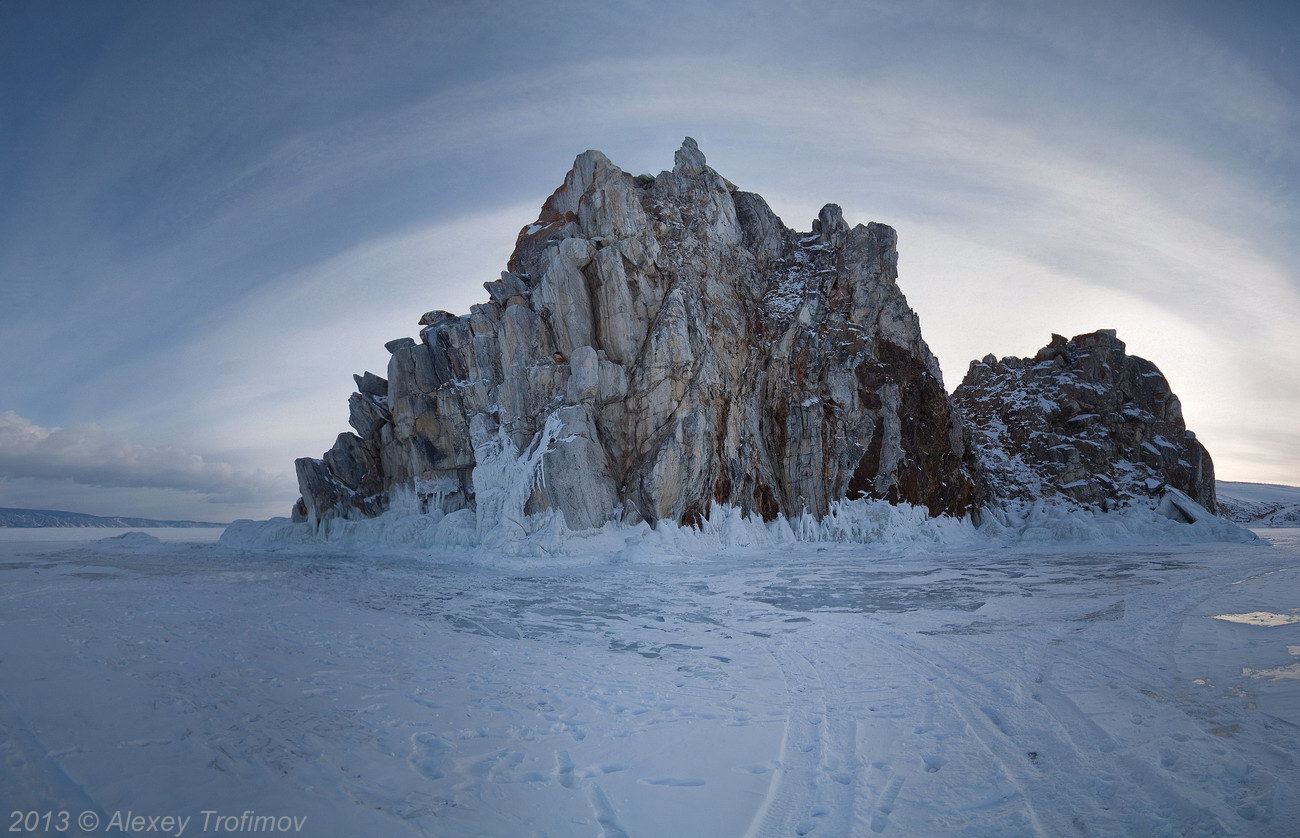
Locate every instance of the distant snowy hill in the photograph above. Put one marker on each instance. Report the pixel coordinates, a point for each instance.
(1259, 504)
(54, 518)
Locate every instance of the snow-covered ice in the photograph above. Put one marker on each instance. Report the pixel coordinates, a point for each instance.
(975, 688)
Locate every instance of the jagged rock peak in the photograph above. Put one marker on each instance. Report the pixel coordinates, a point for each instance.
(689, 160)
(1082, 419)
(830, 225)
(656, 346)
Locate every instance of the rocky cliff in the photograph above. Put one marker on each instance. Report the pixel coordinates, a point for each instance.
(659, 345)
(662, 346)
(1085, 420)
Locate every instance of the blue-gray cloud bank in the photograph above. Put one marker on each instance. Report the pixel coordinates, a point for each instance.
(40, 464)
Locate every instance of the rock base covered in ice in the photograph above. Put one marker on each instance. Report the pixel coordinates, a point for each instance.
(1171, 518)
(131, 541)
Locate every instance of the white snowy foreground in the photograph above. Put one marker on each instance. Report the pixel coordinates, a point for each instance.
(827, 690)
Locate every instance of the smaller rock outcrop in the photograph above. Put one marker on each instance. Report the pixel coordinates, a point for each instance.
(1082, 419)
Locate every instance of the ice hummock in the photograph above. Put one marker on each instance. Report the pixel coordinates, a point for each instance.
(499, 531)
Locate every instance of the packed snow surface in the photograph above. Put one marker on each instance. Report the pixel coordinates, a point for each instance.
(940, 687)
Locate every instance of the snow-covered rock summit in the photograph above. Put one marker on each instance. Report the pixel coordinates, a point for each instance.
(1084, 420)
(658, 345)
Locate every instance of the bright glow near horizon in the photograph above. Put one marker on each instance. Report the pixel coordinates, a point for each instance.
(214, 214)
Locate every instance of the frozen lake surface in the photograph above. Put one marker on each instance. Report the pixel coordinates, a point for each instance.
(825, 691)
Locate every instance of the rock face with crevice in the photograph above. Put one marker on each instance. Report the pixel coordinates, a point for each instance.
(1085, 420)
(656, 346)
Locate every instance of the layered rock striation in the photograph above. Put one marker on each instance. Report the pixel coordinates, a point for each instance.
(1085, 420)
(659, 345)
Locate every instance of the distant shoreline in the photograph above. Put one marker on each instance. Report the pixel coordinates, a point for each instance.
(31, 519)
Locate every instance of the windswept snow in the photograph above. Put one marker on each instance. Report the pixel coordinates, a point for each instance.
(937, 687)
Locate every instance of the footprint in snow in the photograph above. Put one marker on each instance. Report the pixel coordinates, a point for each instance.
(428, 755)
(681, 782)
(564, 769)
(604, 768)
(426, 702)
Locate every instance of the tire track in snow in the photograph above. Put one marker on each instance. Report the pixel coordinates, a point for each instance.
(1185, 747)
(32, 780)
(1052, 732)
(813, 786)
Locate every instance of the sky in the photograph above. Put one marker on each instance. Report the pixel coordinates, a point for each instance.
(213, 214)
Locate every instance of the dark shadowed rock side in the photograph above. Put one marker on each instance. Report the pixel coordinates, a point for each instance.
(1082, 419)
(660, 344)
(663, 344)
